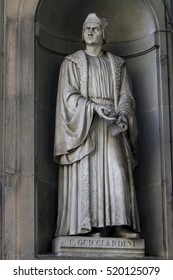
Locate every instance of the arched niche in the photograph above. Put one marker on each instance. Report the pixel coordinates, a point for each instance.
(129, 23)
(134, 33)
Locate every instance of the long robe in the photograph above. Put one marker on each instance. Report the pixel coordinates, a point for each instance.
(95, 187)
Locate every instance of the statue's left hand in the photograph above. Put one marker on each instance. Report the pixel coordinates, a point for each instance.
(122, 122)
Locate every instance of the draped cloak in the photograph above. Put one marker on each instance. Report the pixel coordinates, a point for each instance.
(95, 182)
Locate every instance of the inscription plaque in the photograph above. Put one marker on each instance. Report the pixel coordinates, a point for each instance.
(96, 246)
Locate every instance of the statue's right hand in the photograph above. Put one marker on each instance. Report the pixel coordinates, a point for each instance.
(103, 112)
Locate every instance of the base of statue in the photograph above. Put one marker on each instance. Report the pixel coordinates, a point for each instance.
(98, 247)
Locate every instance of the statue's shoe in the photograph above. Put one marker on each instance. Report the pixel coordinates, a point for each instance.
(124, 232)
(94, 234)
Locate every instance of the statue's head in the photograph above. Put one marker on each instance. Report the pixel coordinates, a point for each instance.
(93, 20)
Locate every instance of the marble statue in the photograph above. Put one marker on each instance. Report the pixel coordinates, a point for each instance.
(95, 141)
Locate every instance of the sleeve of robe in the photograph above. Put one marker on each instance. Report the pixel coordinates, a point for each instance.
(74, 115)
(126, 107)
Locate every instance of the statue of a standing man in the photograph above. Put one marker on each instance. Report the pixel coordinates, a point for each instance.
(95, 141)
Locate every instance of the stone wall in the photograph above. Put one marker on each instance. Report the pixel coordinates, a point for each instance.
(18, 131)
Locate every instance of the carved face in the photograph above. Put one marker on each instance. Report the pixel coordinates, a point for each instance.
(93, 34)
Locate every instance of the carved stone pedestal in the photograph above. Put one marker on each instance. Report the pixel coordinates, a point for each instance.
(98, 247)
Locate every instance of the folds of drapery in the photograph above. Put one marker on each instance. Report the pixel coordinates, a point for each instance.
(74, 142)
(126, 106)
(74, 115)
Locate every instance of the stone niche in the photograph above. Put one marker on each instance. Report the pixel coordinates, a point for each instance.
(134, 34)
(139, 33)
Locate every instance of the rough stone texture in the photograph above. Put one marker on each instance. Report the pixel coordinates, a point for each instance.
(29, 193)
(19, 141)
(18, 122)
(79, 246)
